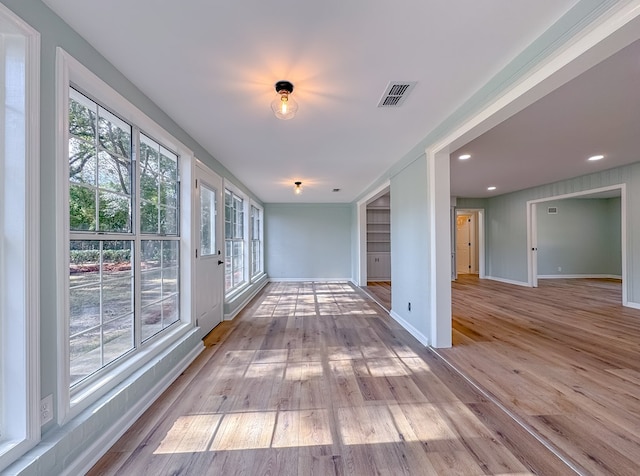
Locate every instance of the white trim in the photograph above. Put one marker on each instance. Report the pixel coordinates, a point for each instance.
(71, 71)
(90, 456)
(579, 276)
(419, 336)
(25, 427)
(634, 305)
(591, 191)
(509, 281)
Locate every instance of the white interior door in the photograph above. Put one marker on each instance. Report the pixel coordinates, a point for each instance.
(463, 244)
(209, 267)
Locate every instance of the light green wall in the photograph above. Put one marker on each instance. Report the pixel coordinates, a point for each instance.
(308, 241)
(410, 246)
(580, 238)
(615, 235)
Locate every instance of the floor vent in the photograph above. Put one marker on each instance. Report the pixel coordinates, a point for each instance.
(395, 93)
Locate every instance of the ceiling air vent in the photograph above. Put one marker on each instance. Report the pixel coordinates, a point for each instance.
(395, 93)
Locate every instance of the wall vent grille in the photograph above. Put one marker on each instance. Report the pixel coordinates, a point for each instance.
(395, 93)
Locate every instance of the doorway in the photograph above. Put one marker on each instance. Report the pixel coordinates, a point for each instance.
(535, 207)
(468, 242)
(209, 269)
(374, 224)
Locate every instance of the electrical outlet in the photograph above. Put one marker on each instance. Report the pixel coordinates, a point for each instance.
(559, 268)
(409, 307)
(46, 409)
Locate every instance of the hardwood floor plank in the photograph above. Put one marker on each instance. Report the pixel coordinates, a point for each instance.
(564, 357)
(316, 379)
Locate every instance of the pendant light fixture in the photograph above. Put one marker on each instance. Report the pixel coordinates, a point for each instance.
(297, 188)
(284, 106)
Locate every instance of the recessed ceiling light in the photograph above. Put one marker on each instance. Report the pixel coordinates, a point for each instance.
(491, 188)
(464, 157)
(595, 157)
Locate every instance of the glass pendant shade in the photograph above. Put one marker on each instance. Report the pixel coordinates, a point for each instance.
(284, 106)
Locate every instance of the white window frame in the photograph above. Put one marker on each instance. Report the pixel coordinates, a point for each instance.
(20, 246)
(71, 402)
(245, 238)
(260, 271)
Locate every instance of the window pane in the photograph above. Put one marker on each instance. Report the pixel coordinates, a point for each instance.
(84, 308)
(168, 221)
(207, 221)
(114, 212)
(117, 338)
(82, 208)
(101, 288)
(82, 162)
(170, 312)
(149, 218)
(168, 193)
(114, 134)
(168, 164)
(82, 120)
(85, 354)
(151, 279)
(84, 266)
(148, 156)
(114, 173)
(151, 320)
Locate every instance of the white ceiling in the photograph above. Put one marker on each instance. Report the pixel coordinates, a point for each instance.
(211, 65)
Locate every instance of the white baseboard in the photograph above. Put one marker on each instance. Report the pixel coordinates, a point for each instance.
(508, 281)
(424, 340)
(579, 276)
(317, 280)
(634, 305)
(99, 448)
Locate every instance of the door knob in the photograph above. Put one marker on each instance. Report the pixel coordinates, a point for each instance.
(220, 261)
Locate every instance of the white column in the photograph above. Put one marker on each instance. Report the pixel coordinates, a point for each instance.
(440, 247)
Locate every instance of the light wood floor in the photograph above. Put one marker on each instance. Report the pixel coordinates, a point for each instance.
(564, 357)
(380, 291)
(315, 378)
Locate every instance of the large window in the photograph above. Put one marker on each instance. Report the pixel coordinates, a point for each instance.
(19, 238)
(235, 270)
(256, 241)
(124, 262)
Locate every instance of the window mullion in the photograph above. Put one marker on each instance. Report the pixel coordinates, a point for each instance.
(96, 141)
(136, 225)
(101, 281)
